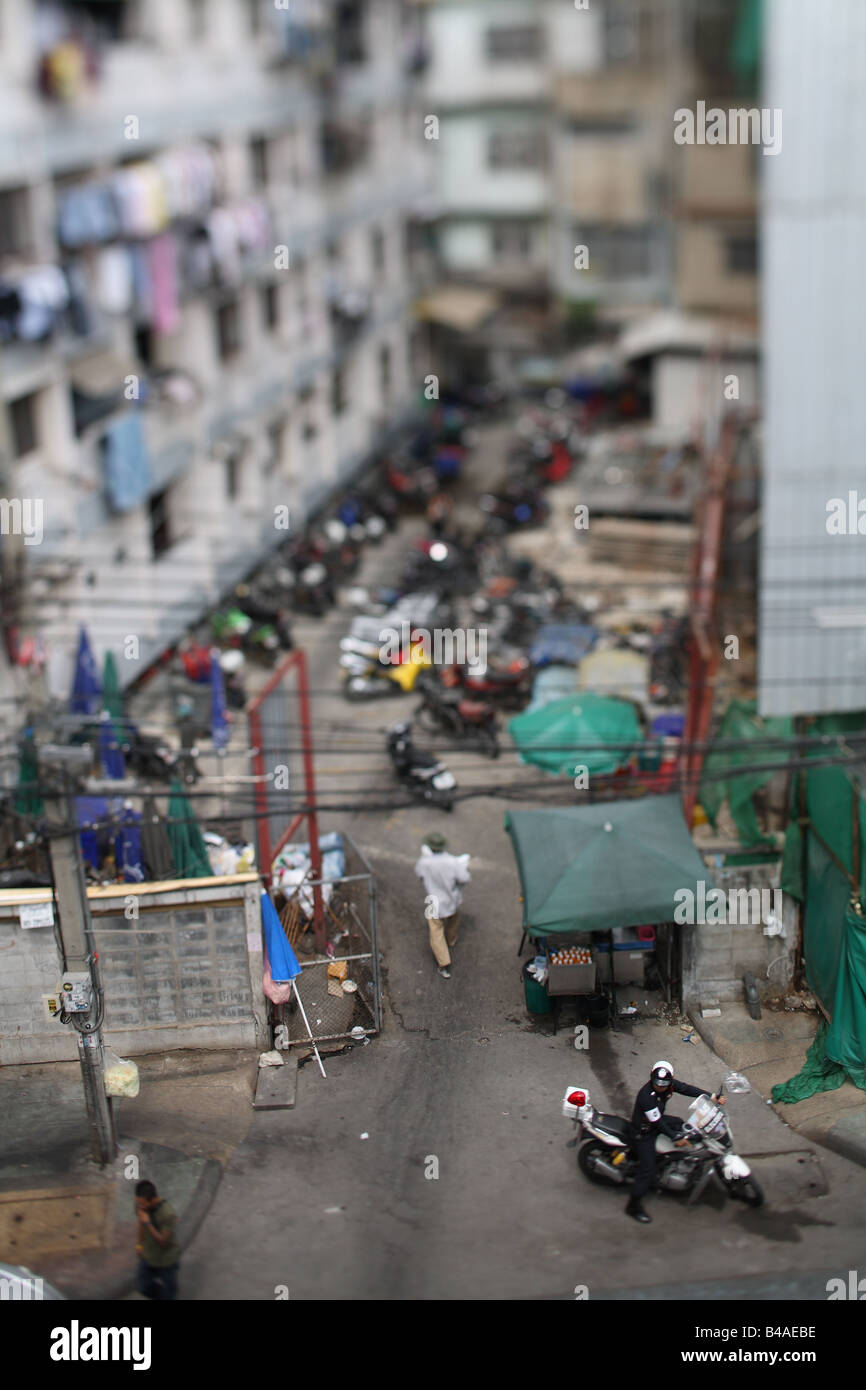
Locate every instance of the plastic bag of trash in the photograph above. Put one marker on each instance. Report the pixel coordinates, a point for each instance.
(119, 1075)
(736, 1083)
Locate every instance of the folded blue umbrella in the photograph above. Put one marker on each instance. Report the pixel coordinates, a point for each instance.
(218, 723)
(86, 685)
(282, 959)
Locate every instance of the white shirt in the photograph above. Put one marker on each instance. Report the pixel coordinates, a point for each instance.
(441, 874)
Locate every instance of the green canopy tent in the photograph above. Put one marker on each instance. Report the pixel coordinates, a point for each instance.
(575, 732)
(604, 865)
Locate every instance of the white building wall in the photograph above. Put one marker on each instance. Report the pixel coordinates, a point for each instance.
(219, 89)
(812, 650)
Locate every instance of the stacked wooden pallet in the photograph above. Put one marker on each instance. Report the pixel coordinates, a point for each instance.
(648, 545)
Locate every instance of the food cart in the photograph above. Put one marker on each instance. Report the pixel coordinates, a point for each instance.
(595, 880)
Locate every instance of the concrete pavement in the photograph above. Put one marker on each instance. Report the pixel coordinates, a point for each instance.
(771, 1050)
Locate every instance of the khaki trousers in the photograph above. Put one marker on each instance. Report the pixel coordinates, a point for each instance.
(443, 933)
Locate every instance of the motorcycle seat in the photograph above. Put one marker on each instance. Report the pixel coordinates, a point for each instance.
(472, 709)
(616, 1125)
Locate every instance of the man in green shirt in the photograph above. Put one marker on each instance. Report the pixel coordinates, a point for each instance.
(157, 1247)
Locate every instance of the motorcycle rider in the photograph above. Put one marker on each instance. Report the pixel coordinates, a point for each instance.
(649, 1121)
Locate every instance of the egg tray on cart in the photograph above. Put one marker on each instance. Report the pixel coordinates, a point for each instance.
(571, 979)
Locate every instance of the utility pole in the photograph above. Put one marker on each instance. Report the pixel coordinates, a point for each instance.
(76, 934)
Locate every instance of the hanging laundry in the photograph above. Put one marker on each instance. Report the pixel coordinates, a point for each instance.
(113, 279)
(163, 275)
(126, 463)
(44, 295)
(142, 284)
(140, 194)
(223, 233)
(79, 313)
(86, 215)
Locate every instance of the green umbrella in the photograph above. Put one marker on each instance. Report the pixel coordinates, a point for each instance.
(28, 801)
(565, 734)
(111, 697)
(187, 843)
(606, 864)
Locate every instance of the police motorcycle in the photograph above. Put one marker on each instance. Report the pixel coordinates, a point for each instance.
(608, 1153)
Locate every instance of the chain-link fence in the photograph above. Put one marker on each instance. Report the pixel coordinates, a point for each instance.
(340, 992)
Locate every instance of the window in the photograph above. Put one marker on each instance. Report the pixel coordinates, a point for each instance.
(349, 32)
(634, 32)
(309, 430)
(514, 43)
(616, 252)
(160, 524)
(511, 241)
(385, 371)
(254, 15)
(259, 160)
(276, 433)
(338, 392)
(15, 230)
(22, 421)
(377, 249)
(144, 345)
(741, 254)
(270, 302)
(516, 149)
(228, 326)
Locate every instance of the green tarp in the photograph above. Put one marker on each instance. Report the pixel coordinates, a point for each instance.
(609, 864)
(742, 724)
(565, 734)
(819, 1073)
(834, 933)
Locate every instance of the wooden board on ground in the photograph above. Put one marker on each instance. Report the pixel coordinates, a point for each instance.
(277, 1087)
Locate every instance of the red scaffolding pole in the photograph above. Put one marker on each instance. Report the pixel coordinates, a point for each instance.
(278, 698)
(703, 638)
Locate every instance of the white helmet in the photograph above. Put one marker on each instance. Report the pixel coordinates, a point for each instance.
(662, 1076)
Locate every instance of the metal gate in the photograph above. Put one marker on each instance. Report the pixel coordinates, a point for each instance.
(335, 1013)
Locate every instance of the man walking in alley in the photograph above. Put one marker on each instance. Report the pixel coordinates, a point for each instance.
(442, 873)
(157, 1246)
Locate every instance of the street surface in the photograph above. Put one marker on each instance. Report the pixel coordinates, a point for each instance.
(336, 1199)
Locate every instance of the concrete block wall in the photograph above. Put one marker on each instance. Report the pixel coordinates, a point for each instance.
(185, 972)
(716, 956)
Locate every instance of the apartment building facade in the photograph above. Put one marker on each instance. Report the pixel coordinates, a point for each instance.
(557, 172)
(204, 294)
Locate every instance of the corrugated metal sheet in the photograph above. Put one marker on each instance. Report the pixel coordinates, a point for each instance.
(812, 651)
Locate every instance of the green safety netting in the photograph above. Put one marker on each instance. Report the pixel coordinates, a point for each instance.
(188, 848)
(741, 723)
(607, 864)
(818, 868)
(572, 732)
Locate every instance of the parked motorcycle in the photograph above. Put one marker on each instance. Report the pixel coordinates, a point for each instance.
(608, 1154)
(509, 684)
(515, 507)
(464, 718)
(423, 774)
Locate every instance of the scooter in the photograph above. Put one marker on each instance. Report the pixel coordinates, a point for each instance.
(460, 716)
(508, 685)
(425, 776)
(608, 1153)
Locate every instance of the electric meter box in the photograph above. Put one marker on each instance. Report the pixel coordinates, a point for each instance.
(75, 992)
